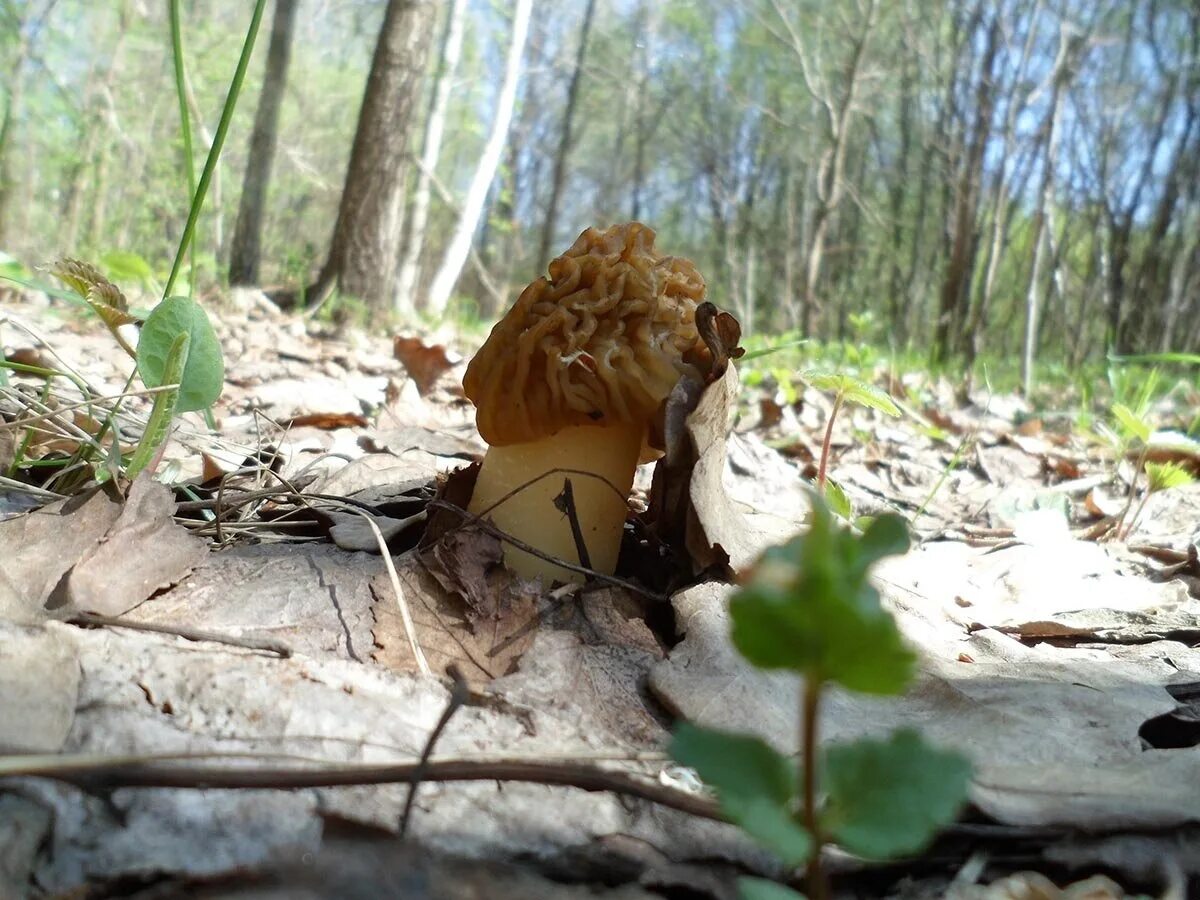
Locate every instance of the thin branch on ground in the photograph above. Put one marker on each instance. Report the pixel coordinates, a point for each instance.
(91, 773)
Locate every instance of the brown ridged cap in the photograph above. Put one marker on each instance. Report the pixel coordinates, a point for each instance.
(601, 341)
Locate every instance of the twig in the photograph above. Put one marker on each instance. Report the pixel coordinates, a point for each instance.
(565, 503)
(491, 529)
(95, 620)
(459, 694)
(525, 485)
(101, 773)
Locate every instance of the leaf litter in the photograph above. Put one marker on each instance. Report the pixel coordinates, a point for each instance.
(1062, 666)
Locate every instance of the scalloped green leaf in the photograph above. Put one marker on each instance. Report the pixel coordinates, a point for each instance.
(1130, 424)
(809, 606)
(839, 503)
(889, 798)
(755, 785)
(853, 390)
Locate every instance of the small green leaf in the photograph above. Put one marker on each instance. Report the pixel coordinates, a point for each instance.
(810, 607)
(839, 503)
(889, 798)
(1164, 476)
(1131, 424)
(755, 785)
(762, 889)
(204, 369)
(853, 391)
(885, 536)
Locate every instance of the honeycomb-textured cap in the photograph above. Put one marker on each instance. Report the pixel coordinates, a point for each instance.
(601, 341)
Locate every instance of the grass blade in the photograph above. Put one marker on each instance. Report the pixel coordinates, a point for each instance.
(214, 152)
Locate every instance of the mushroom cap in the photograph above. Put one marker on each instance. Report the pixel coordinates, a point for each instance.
(602, 341)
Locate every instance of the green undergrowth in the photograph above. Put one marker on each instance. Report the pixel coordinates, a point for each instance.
(809, 608)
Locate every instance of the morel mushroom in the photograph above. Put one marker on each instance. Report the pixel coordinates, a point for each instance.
(572, 379)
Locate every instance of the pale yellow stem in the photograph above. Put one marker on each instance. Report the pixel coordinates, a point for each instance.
(611, 453)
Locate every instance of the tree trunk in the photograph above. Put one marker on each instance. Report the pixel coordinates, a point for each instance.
(964, 238)
(450, 52)
(1045, 198)
(362, 252)
(25, 30)
(247, 233)
(837, 116)
(460, 242)
(564, 140)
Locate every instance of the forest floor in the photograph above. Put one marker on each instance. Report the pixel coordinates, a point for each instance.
(249, 628)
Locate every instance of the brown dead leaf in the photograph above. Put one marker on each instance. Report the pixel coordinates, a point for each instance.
(326, 421)
(425, 363)
(30, 356)
(484, 646)
(1062, 467)
(313, 597)
(600, 686)
(721, 333)
(39, 547)
(1102, 501)
(770, 413)
(467, 563)
(39, 684)
(142, 552)
(689, 506)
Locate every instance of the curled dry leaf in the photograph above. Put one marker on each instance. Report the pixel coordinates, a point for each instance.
(485, 646)
(143, 552)
(425, 363)
(690, 508)
(326, 421)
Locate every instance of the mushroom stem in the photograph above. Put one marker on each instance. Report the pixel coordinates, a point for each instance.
(609, 453)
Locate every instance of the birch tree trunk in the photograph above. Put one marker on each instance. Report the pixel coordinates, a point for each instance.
(1045, 198)
(247, 233)
(460, 243)
(25, 28)
(448, 57)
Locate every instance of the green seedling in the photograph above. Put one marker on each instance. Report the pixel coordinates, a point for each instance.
(845, 390)
(809, 608)
(177, 351)
(1160, 477)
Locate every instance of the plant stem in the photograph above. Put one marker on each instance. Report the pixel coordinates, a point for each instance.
(185, 118)
(1139, 466)
(1138, 514)
(837, 405)
(814, 874)
(214, 152)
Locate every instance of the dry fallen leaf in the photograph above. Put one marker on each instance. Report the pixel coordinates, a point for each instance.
(326, 421)
(425, 363)
(142, 552)
(40, 546)
(484, 645)
(690, 506)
